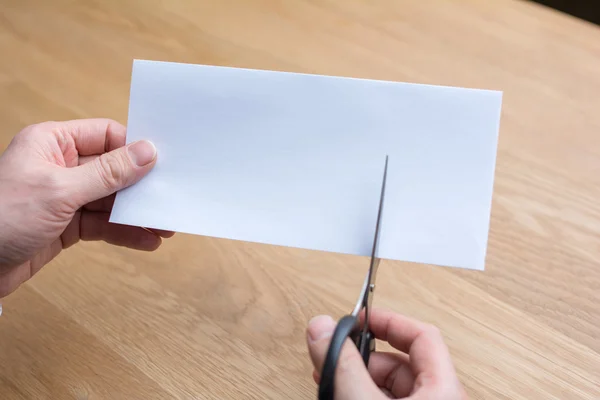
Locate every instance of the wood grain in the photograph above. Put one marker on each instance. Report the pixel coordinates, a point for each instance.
(209, 319)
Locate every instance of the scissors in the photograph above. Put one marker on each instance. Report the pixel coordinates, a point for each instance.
(348, 326)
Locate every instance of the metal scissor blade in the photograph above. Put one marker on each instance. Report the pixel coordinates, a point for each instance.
(366, 344)
(379, 212)
(364, 299)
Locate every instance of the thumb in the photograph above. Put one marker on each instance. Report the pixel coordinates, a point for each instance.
(112, 171)
(352, 380)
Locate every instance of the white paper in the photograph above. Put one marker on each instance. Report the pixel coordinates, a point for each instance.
(297, 160)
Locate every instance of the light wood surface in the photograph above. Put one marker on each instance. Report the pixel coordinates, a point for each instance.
(213, 319)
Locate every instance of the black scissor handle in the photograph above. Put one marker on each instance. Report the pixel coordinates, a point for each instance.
(346, 327)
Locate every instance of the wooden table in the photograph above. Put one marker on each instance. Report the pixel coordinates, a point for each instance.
(206, 318)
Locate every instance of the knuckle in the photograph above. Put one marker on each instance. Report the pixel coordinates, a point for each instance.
(32, 134)
(26, 134)
(35, 130)
(111, 169)
(61, 134)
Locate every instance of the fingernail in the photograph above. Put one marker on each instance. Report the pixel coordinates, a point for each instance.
(142, 152)
(320, 327)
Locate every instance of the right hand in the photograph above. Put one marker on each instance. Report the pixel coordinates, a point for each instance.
(423, 369)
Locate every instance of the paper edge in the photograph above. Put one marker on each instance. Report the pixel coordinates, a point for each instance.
(149, 61)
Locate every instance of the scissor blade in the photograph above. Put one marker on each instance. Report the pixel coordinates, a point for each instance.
(366, 343)
(365, 293)
(379, 212)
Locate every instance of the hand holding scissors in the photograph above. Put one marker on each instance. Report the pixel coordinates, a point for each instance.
(347, 366)
(349, 325)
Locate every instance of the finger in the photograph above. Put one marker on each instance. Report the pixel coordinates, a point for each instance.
(110, 172)
(352, 380)
(11, 279)
(392, 372)
(95, 226)
(396, 329)
(95, 136)
(44, 256)
(403, 386)
(163, 234)
(70, 235)
(423, 342)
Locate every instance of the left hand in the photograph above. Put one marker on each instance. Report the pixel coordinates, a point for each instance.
(57, 185)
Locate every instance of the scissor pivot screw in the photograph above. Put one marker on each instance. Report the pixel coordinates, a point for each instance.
(372, 287)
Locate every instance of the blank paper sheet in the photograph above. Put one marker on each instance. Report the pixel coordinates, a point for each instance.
(297, 160)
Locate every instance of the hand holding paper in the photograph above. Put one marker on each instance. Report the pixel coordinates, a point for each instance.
(295, 160)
